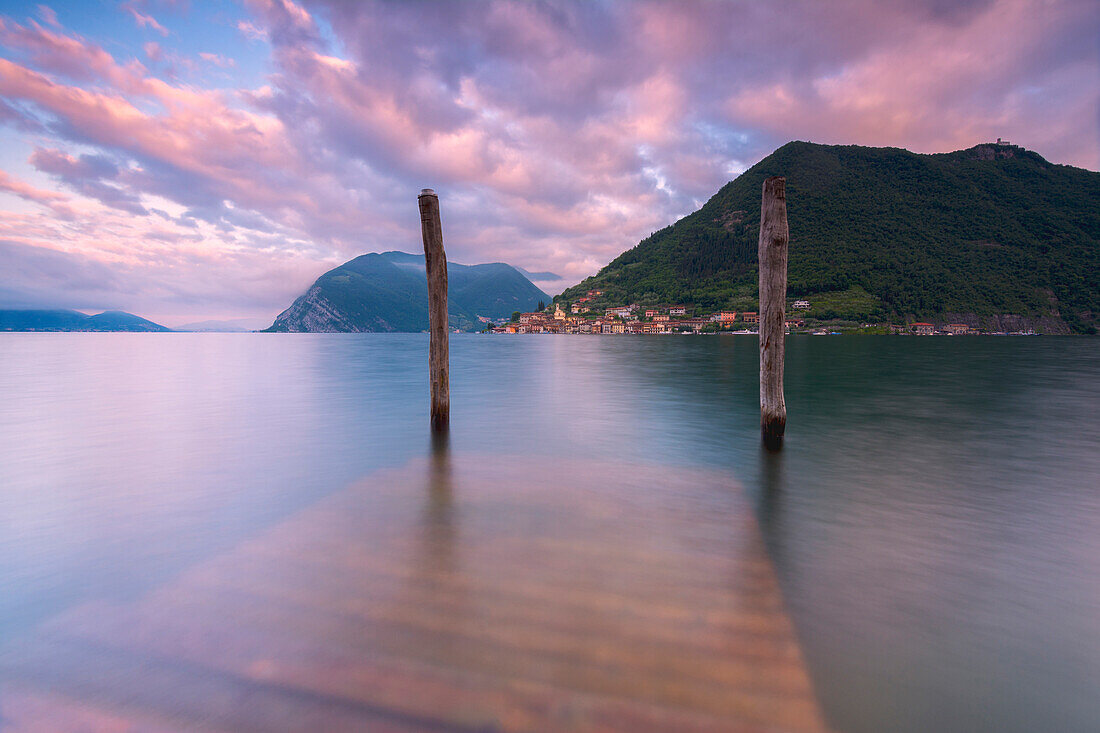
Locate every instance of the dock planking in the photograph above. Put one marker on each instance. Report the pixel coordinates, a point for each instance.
(453, 594)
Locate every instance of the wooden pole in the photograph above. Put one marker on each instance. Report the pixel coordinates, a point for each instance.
(435, 261)
(772, 253)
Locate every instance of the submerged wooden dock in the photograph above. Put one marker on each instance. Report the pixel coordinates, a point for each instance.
(467, 594)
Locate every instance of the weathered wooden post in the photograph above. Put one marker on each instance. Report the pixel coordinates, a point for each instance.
(772, 252)
(435, 261)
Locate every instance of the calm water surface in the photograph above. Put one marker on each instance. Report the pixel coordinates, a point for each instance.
(933, 519)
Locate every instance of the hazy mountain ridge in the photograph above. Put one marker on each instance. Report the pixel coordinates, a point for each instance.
(70, 320)
(231, 325)
(388, 292)
(887, 234)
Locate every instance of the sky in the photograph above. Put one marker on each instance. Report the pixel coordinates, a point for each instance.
(202, 159)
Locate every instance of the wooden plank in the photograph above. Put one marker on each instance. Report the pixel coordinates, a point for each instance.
(511, 594)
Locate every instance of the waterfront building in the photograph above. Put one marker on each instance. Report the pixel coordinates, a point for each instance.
(695, 324)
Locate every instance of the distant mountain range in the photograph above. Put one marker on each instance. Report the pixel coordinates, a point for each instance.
(388, 292)
(540, 276)
(69, 320)
(549, 282)
(233, 325)
(993, 236)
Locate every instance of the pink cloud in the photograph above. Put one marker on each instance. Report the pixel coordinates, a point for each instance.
(24, 190)
(217, 60)
(251, 31)
(56, 203)
(200, 135)
(144, 20)
(47, 14)
(70, 56)
(947, 87)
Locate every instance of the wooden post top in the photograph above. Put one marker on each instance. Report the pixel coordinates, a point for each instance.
(776, 186)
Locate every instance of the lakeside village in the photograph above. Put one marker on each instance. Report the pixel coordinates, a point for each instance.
(583, 318)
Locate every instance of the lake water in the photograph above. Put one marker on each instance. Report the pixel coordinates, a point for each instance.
(933, 519)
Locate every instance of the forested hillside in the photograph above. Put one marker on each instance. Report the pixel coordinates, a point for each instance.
(886, 234)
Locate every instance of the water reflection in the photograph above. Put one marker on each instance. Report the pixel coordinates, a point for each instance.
(439, 533)
(932, 519)
(769, 496)
(936, 546)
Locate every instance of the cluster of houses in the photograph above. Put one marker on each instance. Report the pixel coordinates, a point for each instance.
(584, 318)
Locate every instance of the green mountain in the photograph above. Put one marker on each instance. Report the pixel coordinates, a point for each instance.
(992, 235)
(68, 320)
(389, 292)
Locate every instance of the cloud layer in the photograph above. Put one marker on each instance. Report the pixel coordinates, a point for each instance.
(557, 133)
